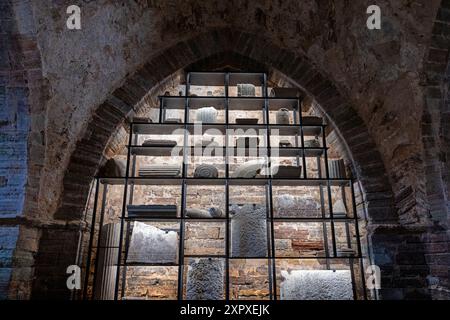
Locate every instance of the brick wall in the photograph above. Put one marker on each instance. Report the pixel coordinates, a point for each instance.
(8, 240)
(435, 135)
(14, 127)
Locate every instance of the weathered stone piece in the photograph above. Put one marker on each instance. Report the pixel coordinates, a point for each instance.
(205, 280)
(151, 245)
(248, 231)
(316, 285)
(207, 115)
(283, 116)
(197, 213)
(107, 261)
(249, 169)
(206, 171)
(159, 143)
(246, 90)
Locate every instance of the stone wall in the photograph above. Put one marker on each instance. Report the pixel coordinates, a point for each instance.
(378, 73)
(19, 72)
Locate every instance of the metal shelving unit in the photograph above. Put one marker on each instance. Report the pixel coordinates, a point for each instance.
(298, 130)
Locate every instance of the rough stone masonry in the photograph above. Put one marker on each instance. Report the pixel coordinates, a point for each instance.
(65, 94)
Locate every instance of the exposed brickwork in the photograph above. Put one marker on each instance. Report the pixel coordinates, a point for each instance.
(435, 135)
(8, 240)
(244, 54)
(348, 89)
(14, 128)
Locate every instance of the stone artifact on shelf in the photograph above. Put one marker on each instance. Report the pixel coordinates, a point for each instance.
(248, 231)
(313, 143)
(246, 90)
(206, 171)
(316, 285)
(247, 121)
(249, 169)
(197, 213)
(280, 171)
(173, 120)
(285, 144)
(113, 168)
(247, 142)
(142, 120)
(293, 206)
(207, 115)
(339, 209)
(212, 212)
(154, 211)
(152, 245)
(107, 262)
(312, 121)
(160, 171)
(159, 143)
(336, 169)
(283, 117)
(205, 279)
(216, 212)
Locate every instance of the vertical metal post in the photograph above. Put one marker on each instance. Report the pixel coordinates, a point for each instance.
(322, 209)
(349, 245)
(183, 192)
(358, 241)
(227, 191)
(122, 221)
(127, 235)
(100, 233)
(161, 101)
(271, 256)
(305, 171)
(91, 240)
(330, 200)
(269, 242)
(297, 157)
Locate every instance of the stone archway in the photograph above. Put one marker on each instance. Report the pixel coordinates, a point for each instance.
(436, 155)
(251, 50)
(59, 245)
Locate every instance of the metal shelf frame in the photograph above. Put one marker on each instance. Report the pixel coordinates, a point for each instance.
(298, 130)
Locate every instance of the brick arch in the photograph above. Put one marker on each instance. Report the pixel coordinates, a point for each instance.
(436, 142)
(246, 51)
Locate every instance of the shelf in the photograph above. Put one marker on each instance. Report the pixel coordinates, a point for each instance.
(222, 181)
(194, 102)
(235, 103)
(206, 256)
(172, 219)
(150, 264)
(224, 131)
(298, 258)
(220, 129)
(221, 151)
(218, 78)
(212, 220)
